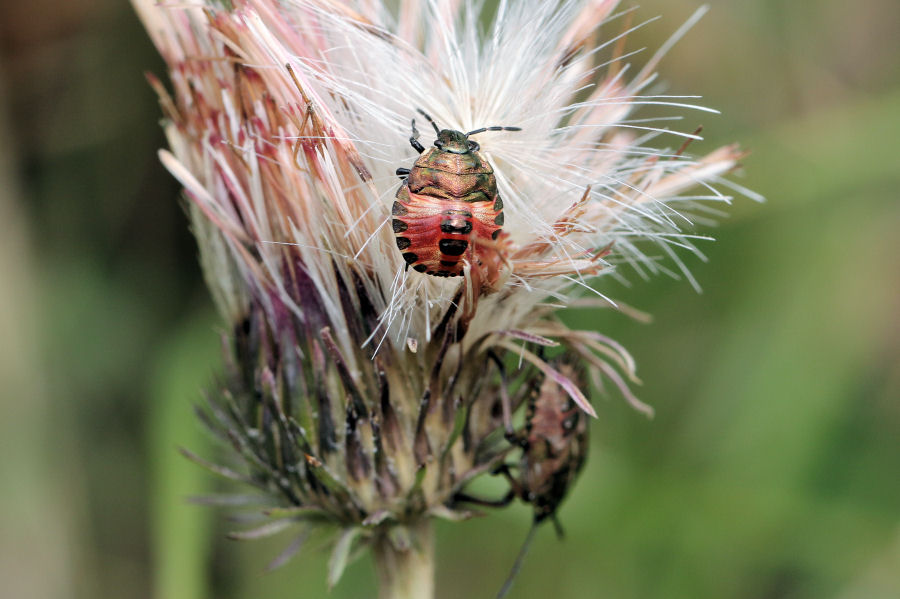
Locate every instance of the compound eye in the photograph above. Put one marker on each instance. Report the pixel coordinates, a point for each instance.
(438, 144)
(473, 145)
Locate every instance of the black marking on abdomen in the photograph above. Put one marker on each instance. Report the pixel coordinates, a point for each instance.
(453, 247)
(403, 243)
(456, 225)
(399, 226)
(410, 257)
(399, 209)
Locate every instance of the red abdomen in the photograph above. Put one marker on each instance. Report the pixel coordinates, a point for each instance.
(440, 235)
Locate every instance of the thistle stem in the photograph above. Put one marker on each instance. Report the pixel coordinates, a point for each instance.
(406, 573)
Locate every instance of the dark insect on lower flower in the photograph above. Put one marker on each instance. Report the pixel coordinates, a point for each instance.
(554, 447)
(554, 443)
(447, 211)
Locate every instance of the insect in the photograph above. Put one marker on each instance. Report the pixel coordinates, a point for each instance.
(554, 447)
(554, 442)
(448, 206)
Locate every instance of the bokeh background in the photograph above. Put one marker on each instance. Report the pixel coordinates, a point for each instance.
(772, 469)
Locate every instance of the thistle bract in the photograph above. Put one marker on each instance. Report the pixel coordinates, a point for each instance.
(360, 395)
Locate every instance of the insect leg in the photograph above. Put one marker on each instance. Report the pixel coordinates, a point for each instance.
(414, 139)
(516, 489)
(503, 501)
(402, 172)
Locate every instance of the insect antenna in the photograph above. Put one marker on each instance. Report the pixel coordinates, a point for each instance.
(517, 565)
(430, 120)
(494, 128)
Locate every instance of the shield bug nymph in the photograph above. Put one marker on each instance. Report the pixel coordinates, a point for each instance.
(447, 207)
(554, 444)
(554, 447)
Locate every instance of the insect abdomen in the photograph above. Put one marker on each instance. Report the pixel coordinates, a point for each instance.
(437, 230)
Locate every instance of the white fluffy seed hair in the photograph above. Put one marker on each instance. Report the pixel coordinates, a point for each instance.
(538, 65)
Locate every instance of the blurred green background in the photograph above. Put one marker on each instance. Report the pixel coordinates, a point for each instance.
(772, 469)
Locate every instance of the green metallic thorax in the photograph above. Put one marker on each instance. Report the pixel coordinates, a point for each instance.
(442, 173)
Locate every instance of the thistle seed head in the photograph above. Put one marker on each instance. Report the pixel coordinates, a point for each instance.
(360, 392)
